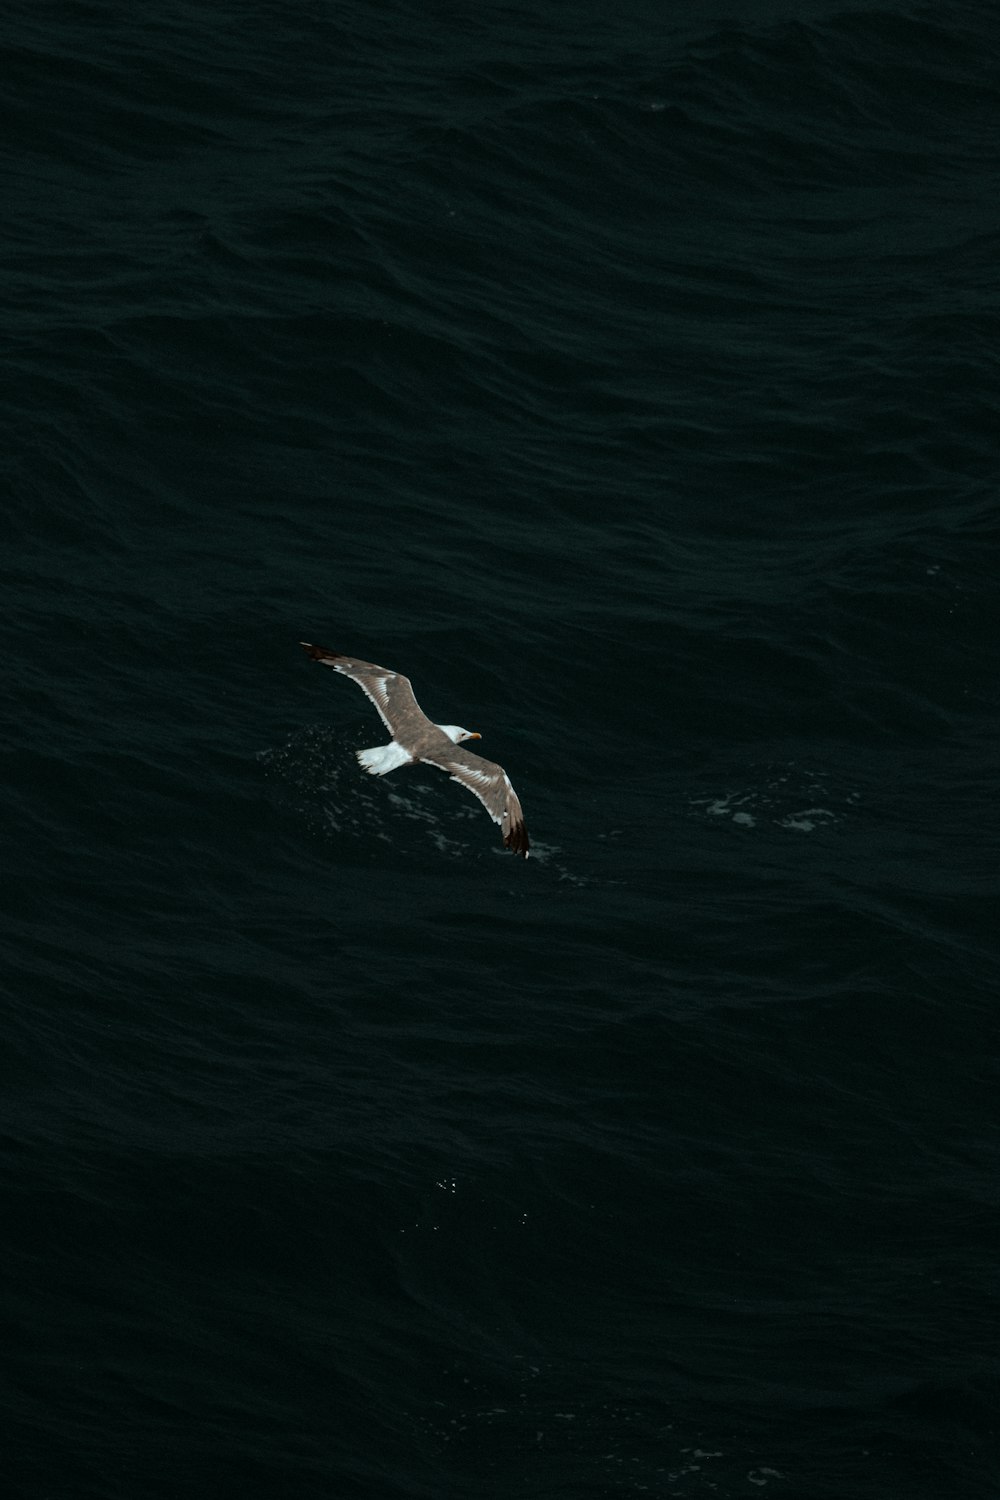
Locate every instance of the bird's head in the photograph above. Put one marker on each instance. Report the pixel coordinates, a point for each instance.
(457, 734)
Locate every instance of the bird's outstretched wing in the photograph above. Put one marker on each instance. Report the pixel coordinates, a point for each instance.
(491, 784)
(390, 692)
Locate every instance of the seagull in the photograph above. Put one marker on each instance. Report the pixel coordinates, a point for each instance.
(415, 738)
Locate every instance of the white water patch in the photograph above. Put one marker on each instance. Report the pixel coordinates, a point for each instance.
(727, 807)
(790, 797)
(809, 820)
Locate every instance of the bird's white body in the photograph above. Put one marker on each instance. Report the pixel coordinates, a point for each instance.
(382, 759)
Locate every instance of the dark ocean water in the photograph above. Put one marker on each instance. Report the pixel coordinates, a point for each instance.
(628, 376)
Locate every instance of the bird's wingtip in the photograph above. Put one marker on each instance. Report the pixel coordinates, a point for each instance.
(517, 840)
(318, 653)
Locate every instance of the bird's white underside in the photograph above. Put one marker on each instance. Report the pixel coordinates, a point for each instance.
(383, 758)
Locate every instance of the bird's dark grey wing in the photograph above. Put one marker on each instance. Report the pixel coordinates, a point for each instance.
(491, 784)
(390, 692)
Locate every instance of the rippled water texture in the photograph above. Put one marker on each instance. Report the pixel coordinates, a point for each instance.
(628, 380)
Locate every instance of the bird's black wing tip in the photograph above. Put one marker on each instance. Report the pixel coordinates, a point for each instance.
(517, 840)
(318, 653)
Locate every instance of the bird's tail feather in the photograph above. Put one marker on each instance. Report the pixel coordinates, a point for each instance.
(383, 758)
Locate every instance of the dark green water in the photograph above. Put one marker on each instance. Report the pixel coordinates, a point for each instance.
(630, 383)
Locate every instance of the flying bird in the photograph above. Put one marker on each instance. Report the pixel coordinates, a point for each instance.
(415, 738)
